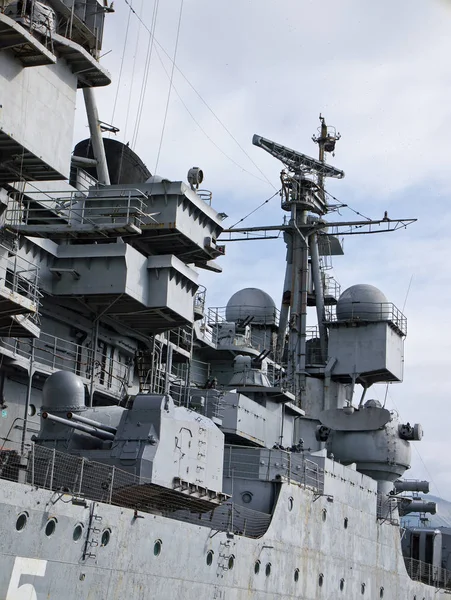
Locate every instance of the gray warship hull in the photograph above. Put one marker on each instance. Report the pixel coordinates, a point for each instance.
(363, 560)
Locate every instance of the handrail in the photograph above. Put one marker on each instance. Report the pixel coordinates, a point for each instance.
(50, 469)
(368, 312)
(428, 574)
(244, 462)
(123, 206)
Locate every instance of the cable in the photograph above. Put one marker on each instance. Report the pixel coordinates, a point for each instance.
(170, 85)
(201, 128)
(121, 68)
(417, 451)
(146, 73)
(255, 209)
(407, 293)
(199, 95)
(133, 75)
(346, 205)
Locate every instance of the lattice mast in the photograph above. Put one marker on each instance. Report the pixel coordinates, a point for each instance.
(302, 193)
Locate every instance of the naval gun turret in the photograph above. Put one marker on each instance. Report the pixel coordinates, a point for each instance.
(372, 438)
(155, 445)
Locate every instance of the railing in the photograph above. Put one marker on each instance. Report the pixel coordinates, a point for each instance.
(332, 288)
(265, 464)
(230, 517)
(181, 337)
(60, 354)
(262, 316)
(368, 312)
(429, 574)
(199, 300)
(205, 195)
(35, 17)
(62, 473)
(81, 179)
(387, 509)
(20, 276)
(73, 210)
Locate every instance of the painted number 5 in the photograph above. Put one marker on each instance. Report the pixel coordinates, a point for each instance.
(25, 566)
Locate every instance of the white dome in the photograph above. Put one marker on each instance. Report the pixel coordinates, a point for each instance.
(364, 302)
(251, 302)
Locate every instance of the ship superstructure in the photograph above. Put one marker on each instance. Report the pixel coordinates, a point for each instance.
(151, 447)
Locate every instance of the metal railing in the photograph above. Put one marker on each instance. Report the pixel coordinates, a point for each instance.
(387, 509)
(332, 288)
(20, 276)
(429, 574)
(269, 317)
(72, 210)
(49, 469)
(110, 374)
(205, 195)
(267, 464)
(368, 312)
(199, 300)
(81, 179)
(231, 517)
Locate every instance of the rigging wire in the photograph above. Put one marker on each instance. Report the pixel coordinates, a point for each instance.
(170, 85)
(121, 69)
(133, 74)
(417, 451)
(255, 209)
(346, 205)
(407, 293)
(128, 3)
(147, 64)
(200, 126)
(396, 407)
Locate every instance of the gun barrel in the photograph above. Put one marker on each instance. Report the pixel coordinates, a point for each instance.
(94, 431)
(74, 417)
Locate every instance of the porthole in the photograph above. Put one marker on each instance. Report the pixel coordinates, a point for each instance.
(381, 592)
(209, 559)
(78, 532)
(296, 575)
(362, 588)
(320, 580)
(290, 503)
(157, 547)
(345, 523)
(21, 521)
(268, 569)
(231, 562)
(324, 516)
(246, 497)
(106, 536)
(50, 527)
(342, 585)
(31, 410)
(257, 567)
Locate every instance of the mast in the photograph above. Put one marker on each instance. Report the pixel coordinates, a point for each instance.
(306, 236)
(302, 193)
(326, 143)
(96, 136)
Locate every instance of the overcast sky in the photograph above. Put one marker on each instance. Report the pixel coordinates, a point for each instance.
(379, 72)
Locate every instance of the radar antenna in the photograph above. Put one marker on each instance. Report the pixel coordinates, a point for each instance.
(309, 239)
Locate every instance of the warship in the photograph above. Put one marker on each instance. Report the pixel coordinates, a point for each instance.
(151, 447)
